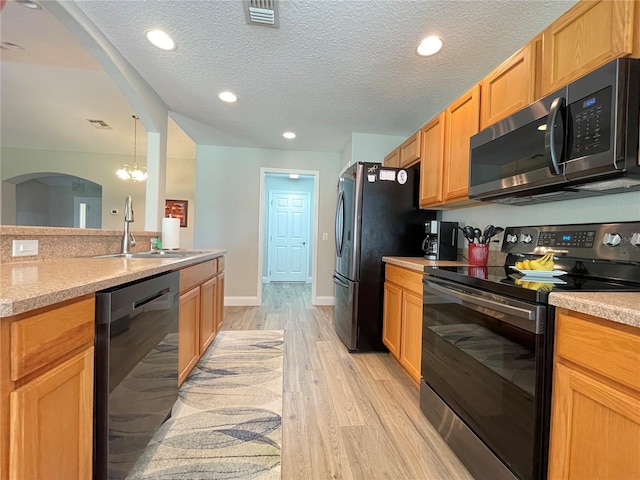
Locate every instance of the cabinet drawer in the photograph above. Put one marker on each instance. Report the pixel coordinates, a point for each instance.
(407, 279)
(197, 274)
(608, 348)
(220, 264)
(52, 334)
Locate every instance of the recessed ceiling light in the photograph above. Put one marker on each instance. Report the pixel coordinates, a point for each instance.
(429, 46)
(227, 97)
(289, 135)
(294, 176)
(160, 39)
(29, 4)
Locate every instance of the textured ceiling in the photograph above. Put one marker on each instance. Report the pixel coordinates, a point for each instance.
(333, 67)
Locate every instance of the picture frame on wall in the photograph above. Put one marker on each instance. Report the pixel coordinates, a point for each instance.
(177, 209)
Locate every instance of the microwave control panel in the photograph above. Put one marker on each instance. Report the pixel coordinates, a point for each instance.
(612, 241)
(591, 124)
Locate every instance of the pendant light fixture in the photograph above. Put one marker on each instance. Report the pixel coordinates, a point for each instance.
(133, 173)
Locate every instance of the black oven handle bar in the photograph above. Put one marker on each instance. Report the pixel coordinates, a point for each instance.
(527, 316)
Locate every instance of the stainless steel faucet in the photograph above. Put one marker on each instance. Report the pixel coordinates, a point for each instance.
(128, 239)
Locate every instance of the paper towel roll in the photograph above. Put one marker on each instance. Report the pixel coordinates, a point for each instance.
(170, 233)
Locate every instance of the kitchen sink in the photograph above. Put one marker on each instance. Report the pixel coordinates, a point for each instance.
(154, 254)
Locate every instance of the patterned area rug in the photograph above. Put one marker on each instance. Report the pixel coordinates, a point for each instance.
(226, 423)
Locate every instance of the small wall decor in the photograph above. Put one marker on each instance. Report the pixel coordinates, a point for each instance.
(177, 209)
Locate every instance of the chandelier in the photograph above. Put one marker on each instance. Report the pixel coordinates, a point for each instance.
(133, 173)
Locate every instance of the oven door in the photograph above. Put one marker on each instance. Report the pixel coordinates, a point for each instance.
(483, 355)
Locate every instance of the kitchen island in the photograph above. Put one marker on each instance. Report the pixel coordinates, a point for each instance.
(47, 312)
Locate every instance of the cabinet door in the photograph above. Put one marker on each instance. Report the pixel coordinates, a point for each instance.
(595, 428)
(462, 120)
(392, 314)
(586, 37)
(432, 161)
(393, 159)
(220, 300)
(188, 338)
(410, 150)
(411, 337)
(51, 417)
(208, 314)
(510, 87)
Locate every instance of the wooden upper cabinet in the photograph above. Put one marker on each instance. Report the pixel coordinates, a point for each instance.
(410, 150)
(586, 37)
(462, 120)
(432, 161)
(510, 87)
(393, 159)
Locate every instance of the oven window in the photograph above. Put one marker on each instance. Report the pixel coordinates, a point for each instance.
(485, 370)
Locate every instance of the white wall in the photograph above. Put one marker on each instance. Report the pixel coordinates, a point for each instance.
(227, 209)
(33, 198)
(610, 208)
(366, 147)
(285, 184)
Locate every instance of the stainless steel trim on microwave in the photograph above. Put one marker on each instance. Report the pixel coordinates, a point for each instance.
(529, 317)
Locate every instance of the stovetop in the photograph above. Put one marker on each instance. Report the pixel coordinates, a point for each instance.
(596, 257)
(505, 281)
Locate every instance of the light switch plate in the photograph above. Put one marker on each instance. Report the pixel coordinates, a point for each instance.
(25, 248)
(325, 236)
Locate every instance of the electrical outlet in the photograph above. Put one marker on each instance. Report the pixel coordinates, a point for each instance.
(114, 211)
(325, 236)
(25, 248)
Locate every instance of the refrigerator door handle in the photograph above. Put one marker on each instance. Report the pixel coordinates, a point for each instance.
(340, 282)
(339, 234)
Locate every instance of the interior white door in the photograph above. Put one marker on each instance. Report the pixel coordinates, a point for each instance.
(288, 236)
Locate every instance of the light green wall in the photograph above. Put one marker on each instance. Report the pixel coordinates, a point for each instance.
(366, 147)
(227, 209)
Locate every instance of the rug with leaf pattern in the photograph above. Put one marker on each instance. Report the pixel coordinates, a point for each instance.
(226, 423)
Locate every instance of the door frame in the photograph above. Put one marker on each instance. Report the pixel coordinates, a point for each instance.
(308, 232)
(261, 228)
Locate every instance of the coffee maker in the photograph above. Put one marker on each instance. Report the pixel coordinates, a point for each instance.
(441, 240)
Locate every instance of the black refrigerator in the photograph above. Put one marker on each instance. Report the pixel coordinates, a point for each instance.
(377, 215)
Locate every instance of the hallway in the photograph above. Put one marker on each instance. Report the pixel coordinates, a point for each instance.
(346, 416)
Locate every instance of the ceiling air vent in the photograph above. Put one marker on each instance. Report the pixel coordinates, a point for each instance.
(261, 12)
(101, 124)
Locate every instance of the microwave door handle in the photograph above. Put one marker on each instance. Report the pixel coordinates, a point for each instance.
(555, 114)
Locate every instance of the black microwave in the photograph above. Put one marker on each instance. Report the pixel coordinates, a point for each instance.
(581, 140)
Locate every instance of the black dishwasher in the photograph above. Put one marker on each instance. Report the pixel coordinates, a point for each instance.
(136, 369)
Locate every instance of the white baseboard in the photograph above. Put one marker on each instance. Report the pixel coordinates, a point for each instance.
(325, 301)
(265, 279)
(309, 280)
(241, 302)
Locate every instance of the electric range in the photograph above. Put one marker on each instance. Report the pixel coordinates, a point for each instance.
(487, 343)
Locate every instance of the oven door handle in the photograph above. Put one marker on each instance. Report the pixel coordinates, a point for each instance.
(473, 300)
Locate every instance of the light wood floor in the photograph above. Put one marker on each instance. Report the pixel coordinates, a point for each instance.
(345, 416)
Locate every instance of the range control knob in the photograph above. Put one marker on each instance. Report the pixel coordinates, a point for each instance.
(512, 238)
(611, 239)
(635, 239)
(526, 238)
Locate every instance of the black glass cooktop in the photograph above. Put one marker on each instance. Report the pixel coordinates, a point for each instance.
(506, 281)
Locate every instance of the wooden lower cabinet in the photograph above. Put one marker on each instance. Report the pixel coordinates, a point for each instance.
(411, 338)
(51, 418)
(402, 318)
(201, 312)
(392, 315)
(188, 333)
(46, 392)
(595, 419)
(208, 314)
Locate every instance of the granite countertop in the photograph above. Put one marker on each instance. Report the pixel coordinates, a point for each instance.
(26, 286)
(420, 264)
(615, 306)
